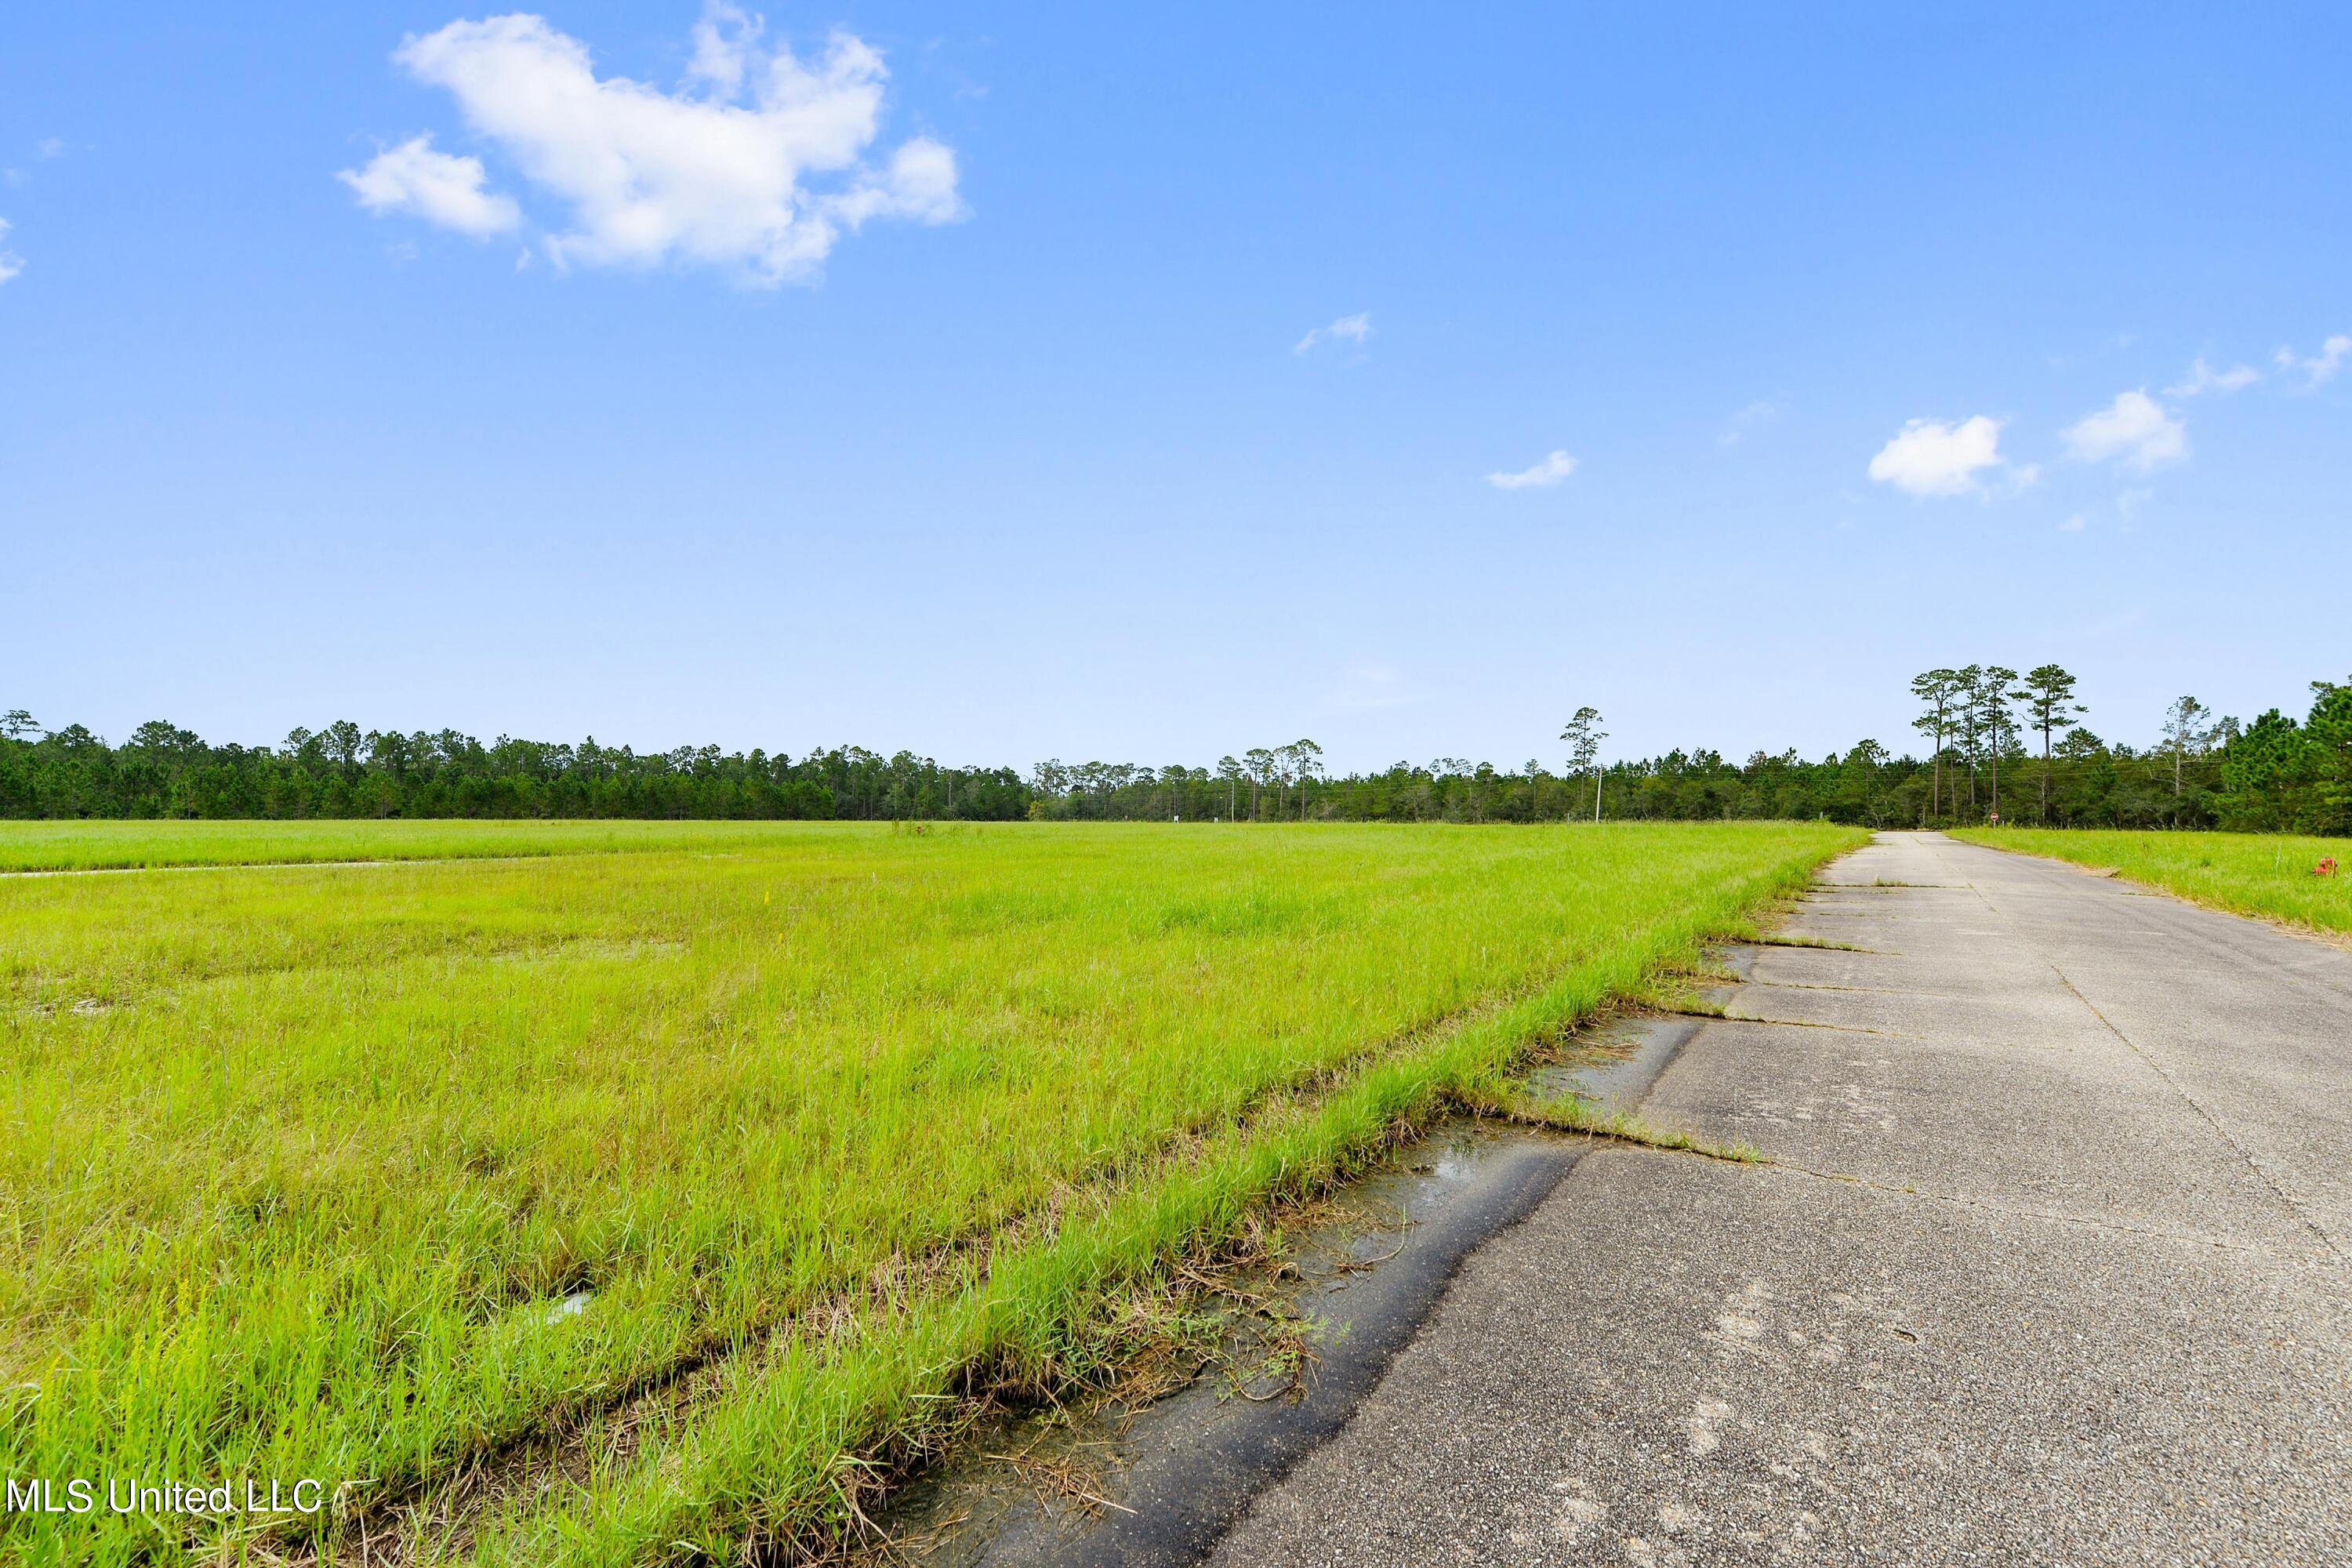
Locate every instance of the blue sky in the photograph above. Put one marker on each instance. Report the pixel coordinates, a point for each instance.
(913, 377)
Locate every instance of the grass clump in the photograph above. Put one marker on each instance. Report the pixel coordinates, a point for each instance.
(299, 1167)
(2268, 874)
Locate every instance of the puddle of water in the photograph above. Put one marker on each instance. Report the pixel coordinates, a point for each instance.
(1161, 1483)
(1628, 1055)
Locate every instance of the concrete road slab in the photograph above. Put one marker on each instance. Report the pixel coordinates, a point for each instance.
(1679, 1363)
(2052, 1268)
(2002, 1125)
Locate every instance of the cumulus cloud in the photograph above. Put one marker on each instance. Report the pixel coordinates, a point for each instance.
(1352, 329)
(2203, 378)
(717, 172)
(10, 262)
(2320, 368)
(1933, 457)
(2134, 431)
(437, 186)
(1555, 468)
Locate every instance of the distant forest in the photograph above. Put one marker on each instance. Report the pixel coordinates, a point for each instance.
(1994, 743)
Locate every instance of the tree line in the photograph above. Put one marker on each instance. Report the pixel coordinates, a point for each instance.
(2202, 770)
(1996, 744)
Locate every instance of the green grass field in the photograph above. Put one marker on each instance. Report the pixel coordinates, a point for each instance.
(2245, 873)
(679, 1181)
(108, 846)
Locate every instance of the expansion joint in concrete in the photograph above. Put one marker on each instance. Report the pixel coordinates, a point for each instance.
(2016, 1211)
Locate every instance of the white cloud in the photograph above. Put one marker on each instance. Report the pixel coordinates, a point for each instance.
(2128, 504)
(723, 42)
(2321, 367)
(1750, 419)
(10, 262)
(1555, 468)
(2203, 378)
(1931, 457)
(2075, 524)
(2332, 354)
(920, 184)
(2134, 430)
(437, 186)
(51, 147)
(1352, 329)
(717, 172)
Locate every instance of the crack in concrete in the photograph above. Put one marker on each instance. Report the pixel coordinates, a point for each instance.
(2286, 1199)
(2293, 1204)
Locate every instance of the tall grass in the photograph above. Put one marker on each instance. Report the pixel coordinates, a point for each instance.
(297, 1165)
(2265, 874)
(107, 846)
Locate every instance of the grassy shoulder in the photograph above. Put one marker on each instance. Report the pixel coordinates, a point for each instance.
(382, 1174)
(2263, 874)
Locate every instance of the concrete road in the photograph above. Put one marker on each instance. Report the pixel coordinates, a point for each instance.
(2050, 1266)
